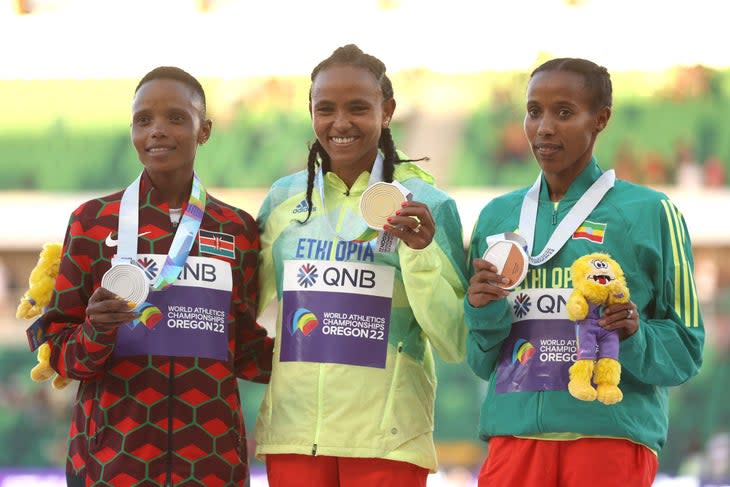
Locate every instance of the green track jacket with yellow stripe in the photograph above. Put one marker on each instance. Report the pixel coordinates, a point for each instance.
(646, 234)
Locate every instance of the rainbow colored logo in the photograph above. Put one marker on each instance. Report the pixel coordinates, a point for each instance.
(522, 351)
(149, 316)
(304, 321)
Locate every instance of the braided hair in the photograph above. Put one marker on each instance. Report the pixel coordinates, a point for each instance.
(597, 80)
(351, 55)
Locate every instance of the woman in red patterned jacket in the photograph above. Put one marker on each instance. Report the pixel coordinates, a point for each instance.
(158, 400)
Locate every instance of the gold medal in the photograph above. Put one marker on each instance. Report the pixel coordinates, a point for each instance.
(380, 201)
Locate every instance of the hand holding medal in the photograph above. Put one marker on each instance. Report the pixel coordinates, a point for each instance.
(106, 311)
(413, 224)
(503, 266)
(127, 281)
(387, 206)
(482, 288)
(507, 253)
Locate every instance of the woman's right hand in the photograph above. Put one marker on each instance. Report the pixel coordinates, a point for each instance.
(106, 311)
(481, 291)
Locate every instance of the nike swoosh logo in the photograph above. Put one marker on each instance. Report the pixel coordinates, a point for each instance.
(111, 242)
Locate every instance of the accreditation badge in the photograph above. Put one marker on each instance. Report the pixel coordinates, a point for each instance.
(541, 345)
(188, 318)
(336, 312)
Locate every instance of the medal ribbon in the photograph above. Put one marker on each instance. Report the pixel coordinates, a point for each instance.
(181, 243)
(580, 211)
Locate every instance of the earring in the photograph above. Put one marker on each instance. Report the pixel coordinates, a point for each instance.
(386, 122)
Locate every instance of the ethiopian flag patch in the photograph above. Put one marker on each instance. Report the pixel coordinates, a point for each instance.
(591, 231)
(216, 243)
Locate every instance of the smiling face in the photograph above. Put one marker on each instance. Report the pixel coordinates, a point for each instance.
(348, 114)
(561, 124)
(167, 127)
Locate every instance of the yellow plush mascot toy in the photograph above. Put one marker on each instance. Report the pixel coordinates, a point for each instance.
(598, 281)
(33, 303)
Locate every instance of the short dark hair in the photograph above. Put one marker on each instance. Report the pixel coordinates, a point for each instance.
(177, 74)
(597, 79)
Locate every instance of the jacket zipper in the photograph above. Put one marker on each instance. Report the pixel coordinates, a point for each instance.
(391, 390)
(320, 397)
(171, 387)
(539, 410)
(555, 215)
(170, 392)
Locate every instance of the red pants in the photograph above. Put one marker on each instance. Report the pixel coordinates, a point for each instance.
(289, 470)
(598, 462)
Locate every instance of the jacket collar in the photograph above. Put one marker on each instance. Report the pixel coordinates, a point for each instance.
(148, 194)
(580, 185)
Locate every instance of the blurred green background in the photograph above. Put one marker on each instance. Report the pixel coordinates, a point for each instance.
(72, 135)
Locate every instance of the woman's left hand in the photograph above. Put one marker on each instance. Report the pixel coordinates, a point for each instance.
(413, 224)
(623, 317)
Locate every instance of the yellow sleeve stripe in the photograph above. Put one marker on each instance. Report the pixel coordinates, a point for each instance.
(695, 304)
(667, 210)
(686, 311)
(685, 293)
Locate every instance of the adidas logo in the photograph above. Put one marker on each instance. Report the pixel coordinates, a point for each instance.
(303, 207)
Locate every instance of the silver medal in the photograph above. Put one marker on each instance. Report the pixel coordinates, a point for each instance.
(127, 281)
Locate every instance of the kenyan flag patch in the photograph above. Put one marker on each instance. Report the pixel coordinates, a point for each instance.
(216, 243)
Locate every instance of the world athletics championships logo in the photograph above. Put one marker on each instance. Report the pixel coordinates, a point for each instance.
(307, 275)
(522, 305)
(522, 351)
(149, 316)
(304, 321)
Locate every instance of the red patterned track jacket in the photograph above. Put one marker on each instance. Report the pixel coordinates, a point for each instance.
(146, 419)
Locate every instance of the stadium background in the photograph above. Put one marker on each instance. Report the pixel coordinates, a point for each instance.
(68, 69)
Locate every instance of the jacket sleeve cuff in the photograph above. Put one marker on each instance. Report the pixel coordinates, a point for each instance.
(419, 260)
(633, 348)
(490, 316)
(91, 334)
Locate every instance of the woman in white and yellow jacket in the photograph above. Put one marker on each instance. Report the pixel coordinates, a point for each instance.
(351, 397)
